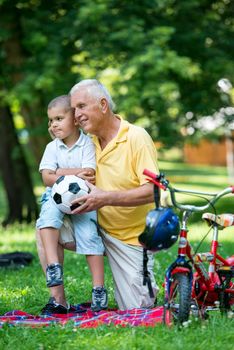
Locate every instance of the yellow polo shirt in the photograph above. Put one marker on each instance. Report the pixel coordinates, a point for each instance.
(120, 166)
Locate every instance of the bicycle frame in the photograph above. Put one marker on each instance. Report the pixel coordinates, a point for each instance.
(180, 265)
(211, 282)
(206, 285)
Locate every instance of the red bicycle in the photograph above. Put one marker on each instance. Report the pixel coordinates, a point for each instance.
(197, 282)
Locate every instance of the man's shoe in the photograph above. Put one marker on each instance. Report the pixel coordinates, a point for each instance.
(99, 299)
(54, 275)
(52, 308)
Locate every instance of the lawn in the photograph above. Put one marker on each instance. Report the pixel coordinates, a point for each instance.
(24, 289)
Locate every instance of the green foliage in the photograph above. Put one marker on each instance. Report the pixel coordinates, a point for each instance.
(160, 58)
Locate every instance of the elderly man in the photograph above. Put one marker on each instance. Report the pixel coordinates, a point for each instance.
(122, 194)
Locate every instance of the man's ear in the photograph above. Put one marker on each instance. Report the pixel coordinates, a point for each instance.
(103, 105)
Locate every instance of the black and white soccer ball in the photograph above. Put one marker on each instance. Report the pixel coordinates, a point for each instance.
(66, 189)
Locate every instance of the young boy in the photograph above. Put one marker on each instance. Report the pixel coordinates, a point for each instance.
(70, 153)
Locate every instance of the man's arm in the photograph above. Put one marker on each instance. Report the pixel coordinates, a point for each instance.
(49, 176)
(98, 198)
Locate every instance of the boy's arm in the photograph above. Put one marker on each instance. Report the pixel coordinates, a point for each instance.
(85, 173)
(49, 176)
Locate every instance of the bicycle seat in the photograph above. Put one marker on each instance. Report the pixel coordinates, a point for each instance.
(222, 220)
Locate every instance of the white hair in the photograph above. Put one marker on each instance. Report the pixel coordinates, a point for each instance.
(95, 88)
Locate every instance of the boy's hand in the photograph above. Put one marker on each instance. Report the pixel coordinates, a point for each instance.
(88, 176)
(50, 131)
(85, 173)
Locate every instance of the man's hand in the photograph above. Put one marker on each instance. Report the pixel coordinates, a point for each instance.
(92, 201)
(98, 198)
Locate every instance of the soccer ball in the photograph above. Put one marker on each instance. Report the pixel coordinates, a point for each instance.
(66, 189)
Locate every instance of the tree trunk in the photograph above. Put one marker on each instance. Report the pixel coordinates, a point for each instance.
(22, 204)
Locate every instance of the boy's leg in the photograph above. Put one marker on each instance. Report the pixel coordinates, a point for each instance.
(42, 254)
(41, 251)
(99, 293)
(54, 269)
(50, 237)
(49, 221)
(96, 266)
(90, 244)
(67, 241)
(57, 293)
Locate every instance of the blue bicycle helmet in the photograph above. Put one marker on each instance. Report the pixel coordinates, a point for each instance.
(161, 230)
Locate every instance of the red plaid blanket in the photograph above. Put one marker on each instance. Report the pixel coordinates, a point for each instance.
(86, 318)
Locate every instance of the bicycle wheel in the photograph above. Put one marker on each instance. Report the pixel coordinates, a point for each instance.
(177, 307)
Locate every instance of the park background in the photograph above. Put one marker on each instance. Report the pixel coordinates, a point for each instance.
(162, 61)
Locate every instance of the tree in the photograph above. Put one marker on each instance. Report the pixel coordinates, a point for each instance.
(28, 75)
(15, 173)
(161, 58)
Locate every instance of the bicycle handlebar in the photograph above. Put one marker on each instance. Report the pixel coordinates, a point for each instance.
(163, 183)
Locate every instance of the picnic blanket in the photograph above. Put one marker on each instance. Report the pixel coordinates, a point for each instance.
(85, 318)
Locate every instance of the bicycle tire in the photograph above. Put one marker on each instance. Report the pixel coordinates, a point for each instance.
(177, 307)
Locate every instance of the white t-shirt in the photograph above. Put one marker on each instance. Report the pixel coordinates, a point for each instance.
(58, 155)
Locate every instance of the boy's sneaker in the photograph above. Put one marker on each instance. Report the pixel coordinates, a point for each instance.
(99, 299)
(54, 308)
(54, 275)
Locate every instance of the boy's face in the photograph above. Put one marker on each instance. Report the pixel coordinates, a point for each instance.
(62, 123)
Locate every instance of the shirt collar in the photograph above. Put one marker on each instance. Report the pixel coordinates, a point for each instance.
(123, 130)
(79, 143)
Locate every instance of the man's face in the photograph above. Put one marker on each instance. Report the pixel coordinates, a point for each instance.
(87, 110)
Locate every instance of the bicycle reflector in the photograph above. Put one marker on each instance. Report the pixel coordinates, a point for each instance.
(161, 231)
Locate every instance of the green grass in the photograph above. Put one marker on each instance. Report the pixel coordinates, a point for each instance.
(25, 288)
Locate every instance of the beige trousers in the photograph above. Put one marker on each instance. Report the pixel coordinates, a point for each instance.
(126, 262)
(67, 234)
